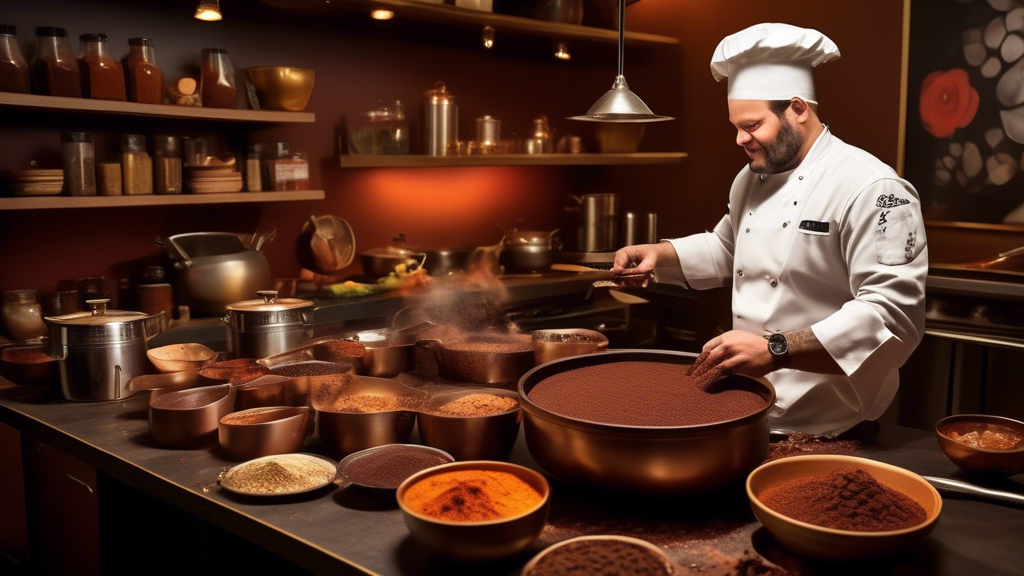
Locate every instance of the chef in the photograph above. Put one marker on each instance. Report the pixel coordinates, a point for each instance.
(823, 243)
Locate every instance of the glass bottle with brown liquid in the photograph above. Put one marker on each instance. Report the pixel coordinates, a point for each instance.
(145, 80)
(102, 74)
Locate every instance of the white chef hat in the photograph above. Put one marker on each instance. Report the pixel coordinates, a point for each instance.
(772, 62)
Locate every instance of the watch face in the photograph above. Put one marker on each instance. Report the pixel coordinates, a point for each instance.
(778, 345)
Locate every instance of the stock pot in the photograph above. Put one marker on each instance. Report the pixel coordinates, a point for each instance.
(99, 350)
(268, 325)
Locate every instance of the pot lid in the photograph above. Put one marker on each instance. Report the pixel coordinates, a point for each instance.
(269, 302)
(98, 316)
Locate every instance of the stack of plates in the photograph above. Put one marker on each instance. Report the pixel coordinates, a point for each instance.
(34, 182)
(217, 178)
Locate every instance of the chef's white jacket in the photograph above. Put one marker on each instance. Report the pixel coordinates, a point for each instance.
(837, 244)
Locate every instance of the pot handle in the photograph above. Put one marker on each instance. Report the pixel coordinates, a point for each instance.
(262, 234)
(182, 260)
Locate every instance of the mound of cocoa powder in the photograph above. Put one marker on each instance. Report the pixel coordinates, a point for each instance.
(639, 393)
(604, 556)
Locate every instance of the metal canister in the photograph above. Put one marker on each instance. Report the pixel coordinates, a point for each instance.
(440, 120)
(639, 228)
(268, 325)
(99, 351)
(596, 222)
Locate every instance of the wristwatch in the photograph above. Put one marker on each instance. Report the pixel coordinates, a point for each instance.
(778, 345)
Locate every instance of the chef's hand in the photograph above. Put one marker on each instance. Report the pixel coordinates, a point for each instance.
(735, 351)
(644, 258)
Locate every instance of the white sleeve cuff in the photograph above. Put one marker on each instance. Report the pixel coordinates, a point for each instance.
(853, 334)
(702, 260)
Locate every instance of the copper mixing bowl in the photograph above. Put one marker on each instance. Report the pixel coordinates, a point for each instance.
(656, 459)
(282, 87)
(1005, 462)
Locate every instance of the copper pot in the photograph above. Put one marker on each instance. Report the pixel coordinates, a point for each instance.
(662, 459)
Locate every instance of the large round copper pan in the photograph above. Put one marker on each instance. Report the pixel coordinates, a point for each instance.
(659, 459)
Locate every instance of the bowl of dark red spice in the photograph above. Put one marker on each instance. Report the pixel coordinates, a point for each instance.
(480, 357)
(477, 424)
(257, 432)
(636, 420)
(476, 510)
(279, 475)
(29, 365)
(842, 507)
(587, 555)
(359, 412)
(384, 468)
(982, 443)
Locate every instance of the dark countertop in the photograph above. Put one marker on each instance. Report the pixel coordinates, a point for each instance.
(341, 531)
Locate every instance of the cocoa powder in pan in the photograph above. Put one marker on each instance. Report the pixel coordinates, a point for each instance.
(639, 393)
(388, 468)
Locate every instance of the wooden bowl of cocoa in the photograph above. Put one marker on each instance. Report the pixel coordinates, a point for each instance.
(476, 424)
(635, 420)
(983, 444)
(475, 510)
(834, 507)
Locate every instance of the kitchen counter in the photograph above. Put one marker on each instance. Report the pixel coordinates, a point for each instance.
(337, 531)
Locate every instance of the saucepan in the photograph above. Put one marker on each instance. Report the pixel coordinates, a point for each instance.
(529, 251)
(189, 418)
(346, 432)
(260, 432)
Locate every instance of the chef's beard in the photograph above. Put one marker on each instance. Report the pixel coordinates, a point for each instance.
(780, 152)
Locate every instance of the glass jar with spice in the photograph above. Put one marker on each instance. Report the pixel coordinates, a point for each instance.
(289, 172)
(194, 150)
(145, 80)
(136, 166)
(218, 79)
(167, 165)
(102, 75)
(79, 161)
(253, 180)
(13, 68)
(54, 67)
(22, 315)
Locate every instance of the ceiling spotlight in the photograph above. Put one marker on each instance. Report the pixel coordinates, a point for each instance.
(487, 36)
(208, 10)
(381, 14)
(562, 52)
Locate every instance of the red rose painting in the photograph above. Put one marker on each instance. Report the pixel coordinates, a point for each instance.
(948, 102)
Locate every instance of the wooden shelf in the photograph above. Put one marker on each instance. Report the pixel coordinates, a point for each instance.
(55, 202)
(502, 24)
(59, 103)
(420, 161)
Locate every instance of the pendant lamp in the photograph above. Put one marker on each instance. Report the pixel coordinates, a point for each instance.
(208, 10)
(620, 104)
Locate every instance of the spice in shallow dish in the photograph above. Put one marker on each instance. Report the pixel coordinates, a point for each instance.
(846, 499)
(605, 557)
(387, 467)
(279, 474)
(475, 405)
(472, 496)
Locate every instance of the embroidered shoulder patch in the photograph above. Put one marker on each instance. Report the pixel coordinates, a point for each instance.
(890, 201)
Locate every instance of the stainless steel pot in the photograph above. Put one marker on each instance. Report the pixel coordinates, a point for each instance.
(379, 262)
(529, 251)
(215, 269)
(267, 325)
(594, 218)
(656, 459)
(455, 361)
(99, 351)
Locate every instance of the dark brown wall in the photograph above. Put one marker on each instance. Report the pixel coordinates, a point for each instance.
(359, 61)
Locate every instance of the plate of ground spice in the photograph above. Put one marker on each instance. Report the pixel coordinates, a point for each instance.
(842, 507)
(588, 555)
(475, 510)
(279, 475)
(473, 424)
(634, 419)
(29, 365)
(386, 467)
(983, 443)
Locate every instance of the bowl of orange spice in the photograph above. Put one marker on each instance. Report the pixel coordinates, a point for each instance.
(475, 510)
